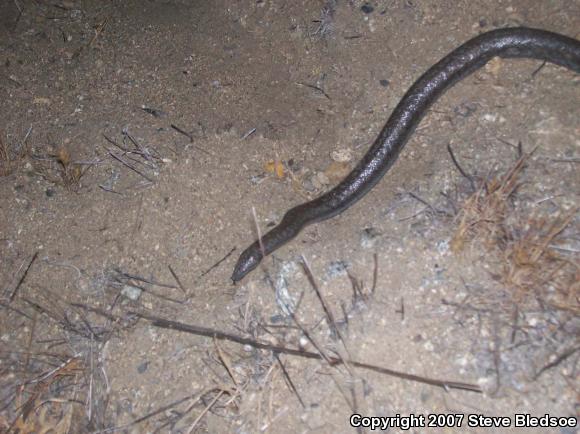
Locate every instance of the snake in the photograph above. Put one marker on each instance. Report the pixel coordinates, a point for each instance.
(511, 42)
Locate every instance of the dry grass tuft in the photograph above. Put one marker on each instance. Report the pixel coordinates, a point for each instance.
(70, 172)
(482, 216)
(11, 156)
(523, 243)
(59, 168)
(533, 265)
(39, 413)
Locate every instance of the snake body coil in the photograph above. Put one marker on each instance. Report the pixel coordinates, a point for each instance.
(519, 42)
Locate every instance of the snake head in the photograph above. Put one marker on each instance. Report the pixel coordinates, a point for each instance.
(249, 259)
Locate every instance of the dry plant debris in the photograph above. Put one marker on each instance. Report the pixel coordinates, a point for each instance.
(60, 168)
(41, 413)
(70, 171)
(532, 263)
(276, 167)
(525, 242)
(12, 156)
(142, 160)
(483, 214)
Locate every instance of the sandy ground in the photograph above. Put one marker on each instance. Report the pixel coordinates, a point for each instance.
(142, 134)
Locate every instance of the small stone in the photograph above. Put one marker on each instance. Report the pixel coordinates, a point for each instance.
(384, 82)
(367, 9)
(485, 382)
(369, 237)
(336, 268)
(489, 117)
(257, 179)
(442, 247)
(320, 180)
(341, 155)
(41, 101)
(337, 171)
(494, 66)
(142, 367)
(294, 165)
(465, 109)
(131, 292)
(308, 185)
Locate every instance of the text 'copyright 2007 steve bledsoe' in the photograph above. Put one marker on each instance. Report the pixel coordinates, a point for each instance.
(459, 420)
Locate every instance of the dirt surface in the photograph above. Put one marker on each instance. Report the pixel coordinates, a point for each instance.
(142, 134)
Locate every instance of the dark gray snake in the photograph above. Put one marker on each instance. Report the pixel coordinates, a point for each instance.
(508, 43)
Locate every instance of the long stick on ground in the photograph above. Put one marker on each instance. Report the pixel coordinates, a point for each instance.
(333, 361)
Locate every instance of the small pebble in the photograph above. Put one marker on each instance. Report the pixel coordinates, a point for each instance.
(489, 117)
(131, 292)
(366, 8)
(336, 268)
(368, 237)
(308, 185)
(257, 179)
(341, 155)
(442, 247)
(465, 109)
(142, 367)
(337, 171)
(320, 180)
